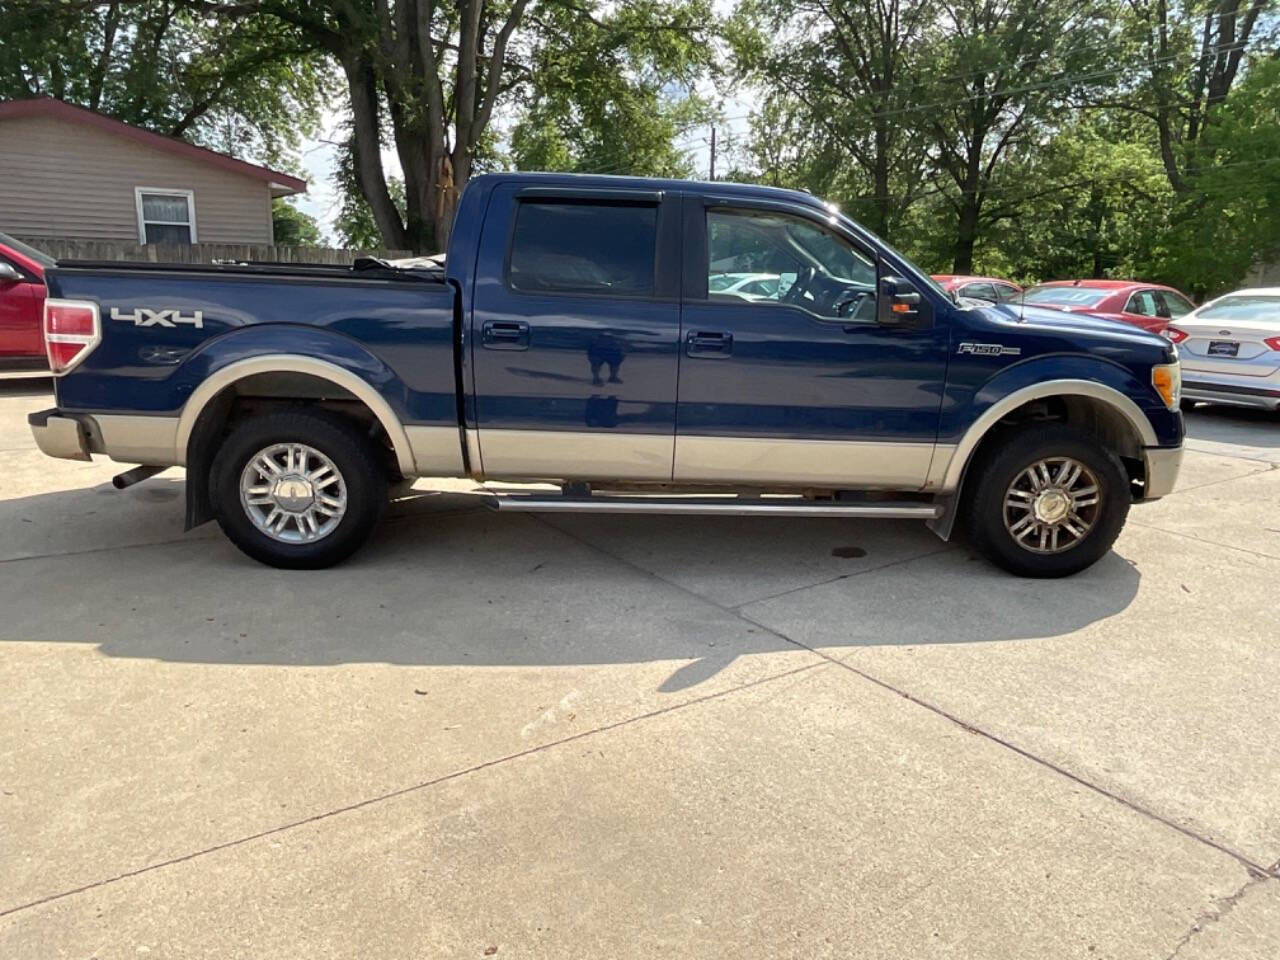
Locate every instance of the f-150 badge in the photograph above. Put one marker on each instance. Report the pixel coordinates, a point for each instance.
(989, 350)
(142, 317)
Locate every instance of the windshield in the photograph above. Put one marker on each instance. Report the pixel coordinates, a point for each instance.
(1242, 308)
(28, 251)
(1066, 296)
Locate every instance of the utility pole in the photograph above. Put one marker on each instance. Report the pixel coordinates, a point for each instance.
(713, 153)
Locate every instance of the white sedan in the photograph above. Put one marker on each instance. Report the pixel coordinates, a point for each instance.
(1230, 350)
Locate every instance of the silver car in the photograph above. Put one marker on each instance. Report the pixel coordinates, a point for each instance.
(1230, 350)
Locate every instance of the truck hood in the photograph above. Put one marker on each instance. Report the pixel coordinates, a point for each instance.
(1073, 322)
(1115, 338)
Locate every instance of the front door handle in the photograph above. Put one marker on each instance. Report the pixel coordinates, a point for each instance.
(709, 343)
(505, 335)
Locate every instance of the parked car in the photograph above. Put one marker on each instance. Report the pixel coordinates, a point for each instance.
(1147, 305)
(295, 395)
(22, 270)
(746, 285)
(1230, 350)
(991, 289)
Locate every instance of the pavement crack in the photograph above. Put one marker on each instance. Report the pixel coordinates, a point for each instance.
(1215, 913)
(412, 788)
(1192, 536)
(1255, 869)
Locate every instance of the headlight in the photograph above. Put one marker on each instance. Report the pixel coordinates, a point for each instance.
(1167, 379)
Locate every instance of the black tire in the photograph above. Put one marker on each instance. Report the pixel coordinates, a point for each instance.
(349, 450)
(1003, 460)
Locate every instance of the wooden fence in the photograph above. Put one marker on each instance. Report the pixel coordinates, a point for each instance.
(199, 252)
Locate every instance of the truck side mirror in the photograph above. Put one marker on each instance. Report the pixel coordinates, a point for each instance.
(900, 304)
(8, 273)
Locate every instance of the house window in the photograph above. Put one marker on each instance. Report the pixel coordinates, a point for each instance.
(166, 216)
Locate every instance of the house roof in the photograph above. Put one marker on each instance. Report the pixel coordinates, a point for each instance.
(281, 183)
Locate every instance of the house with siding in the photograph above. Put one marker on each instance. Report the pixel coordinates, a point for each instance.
(69, 173)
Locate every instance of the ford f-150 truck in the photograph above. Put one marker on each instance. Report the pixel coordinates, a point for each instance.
(587, 331)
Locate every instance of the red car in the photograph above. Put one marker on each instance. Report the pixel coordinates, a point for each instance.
(21, 303)
(979, 288)
(1147, 305)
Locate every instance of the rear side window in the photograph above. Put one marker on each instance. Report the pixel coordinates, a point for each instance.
(1006, 293)
(600, 248)
(1143, 303)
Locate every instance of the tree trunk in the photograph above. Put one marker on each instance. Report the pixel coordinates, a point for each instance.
(880, 179)
(362, 85)
(966, 234)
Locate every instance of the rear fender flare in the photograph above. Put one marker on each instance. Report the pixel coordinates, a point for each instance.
(360, 388)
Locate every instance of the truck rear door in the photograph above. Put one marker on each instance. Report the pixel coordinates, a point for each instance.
(575, 333)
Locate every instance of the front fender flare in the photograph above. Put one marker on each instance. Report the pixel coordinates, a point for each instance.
(1132, 413)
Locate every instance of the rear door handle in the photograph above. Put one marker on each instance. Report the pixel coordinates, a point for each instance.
(709, 343)
(505, 335)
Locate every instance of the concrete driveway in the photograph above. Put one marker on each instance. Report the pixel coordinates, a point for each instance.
(502, 735)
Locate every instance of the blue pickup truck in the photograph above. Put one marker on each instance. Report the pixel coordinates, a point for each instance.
(648, 346)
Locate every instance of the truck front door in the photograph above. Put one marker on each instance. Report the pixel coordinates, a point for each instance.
(575, 334)
(787, 376)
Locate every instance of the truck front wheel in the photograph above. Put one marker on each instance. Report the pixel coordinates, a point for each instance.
(1046, 501)
(297, 489)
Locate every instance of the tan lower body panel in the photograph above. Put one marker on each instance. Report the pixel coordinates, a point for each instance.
(577, 455)
(437, 451)
(765, 460)
(134, 439)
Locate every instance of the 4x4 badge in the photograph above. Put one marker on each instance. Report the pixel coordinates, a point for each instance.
(989, 350)
(142, 317)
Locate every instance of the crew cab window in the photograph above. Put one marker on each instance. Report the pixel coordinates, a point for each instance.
(600, 248)
(763, 258)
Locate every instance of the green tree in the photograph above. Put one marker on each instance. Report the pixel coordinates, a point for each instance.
(425, 77)
(837, 74)
(239, 85)
(291, 227)
(611, 91)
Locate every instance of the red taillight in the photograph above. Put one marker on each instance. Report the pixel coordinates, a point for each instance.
(1174, 334)
(71, 330)
(1273, 343)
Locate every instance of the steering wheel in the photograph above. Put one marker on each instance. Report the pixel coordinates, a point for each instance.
(801, 284)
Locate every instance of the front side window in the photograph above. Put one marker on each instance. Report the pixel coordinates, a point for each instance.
(600, 248)
(166, 216)
(764, 258)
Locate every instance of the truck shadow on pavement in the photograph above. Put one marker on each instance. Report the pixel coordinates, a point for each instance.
(446, 582)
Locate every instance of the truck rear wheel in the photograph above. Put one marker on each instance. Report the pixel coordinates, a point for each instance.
(299, 490)
(1048, 501)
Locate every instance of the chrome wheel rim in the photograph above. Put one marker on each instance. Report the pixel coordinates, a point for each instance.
(1052, 505)
(293, 493)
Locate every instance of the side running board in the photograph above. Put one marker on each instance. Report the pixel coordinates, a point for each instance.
(722, 506)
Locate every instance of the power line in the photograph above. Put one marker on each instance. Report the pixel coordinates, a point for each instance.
(1031, 88)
